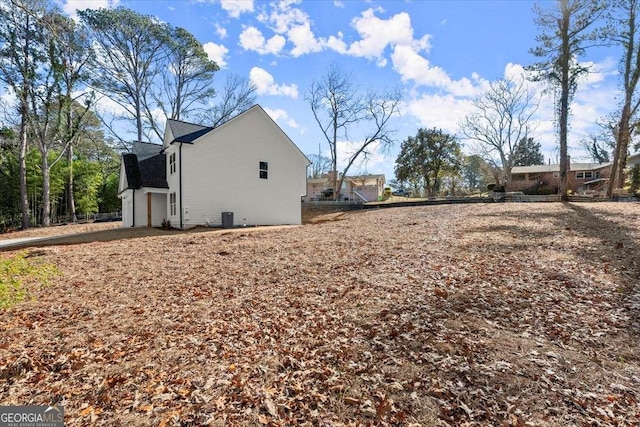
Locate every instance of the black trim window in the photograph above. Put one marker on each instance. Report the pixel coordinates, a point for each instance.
(264, 170)
(172, 204)
(172, 163)
(584, 175)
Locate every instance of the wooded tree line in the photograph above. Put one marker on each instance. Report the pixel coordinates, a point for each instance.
(81, 91)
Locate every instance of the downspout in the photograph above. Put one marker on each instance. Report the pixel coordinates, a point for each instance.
(133, 213)
(180, 181)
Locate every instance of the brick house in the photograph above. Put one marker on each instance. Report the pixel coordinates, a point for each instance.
(582, 178)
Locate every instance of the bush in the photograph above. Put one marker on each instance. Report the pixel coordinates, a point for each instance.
(17, 273)
(386, 193)
(541, 191)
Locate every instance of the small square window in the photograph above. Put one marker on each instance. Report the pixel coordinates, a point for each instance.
(264, 166)
(579, 175)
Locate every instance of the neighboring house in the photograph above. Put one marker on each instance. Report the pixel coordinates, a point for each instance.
(633, 160)
(582, 177)
(246, 169)
(363, 188)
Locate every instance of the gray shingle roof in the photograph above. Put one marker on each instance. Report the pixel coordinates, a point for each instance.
(150, 172)
(144, 150)
(154, 172)
(556, 167)
(186, 132)
(132, 171)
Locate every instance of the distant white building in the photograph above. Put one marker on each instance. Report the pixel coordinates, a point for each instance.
(246, 170)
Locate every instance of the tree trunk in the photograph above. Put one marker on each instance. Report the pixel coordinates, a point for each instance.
(71, 202)
(24, 111)
(138, 119)
(616, 180)
(565, 88)
(46, 191)
(24, 197)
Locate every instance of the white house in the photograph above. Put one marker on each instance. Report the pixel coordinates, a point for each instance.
(246, 170)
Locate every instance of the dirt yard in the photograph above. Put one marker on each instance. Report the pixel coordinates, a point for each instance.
(61, 230)
(483, 314)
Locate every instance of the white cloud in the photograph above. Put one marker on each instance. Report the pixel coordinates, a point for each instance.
(217, 53)
(221, 31)
(71, 6)
(265, 84)
(304, 41)
(411, 66)
(237, 7)
(338, 3)
(283, 17)
(337, 44)
(378, 33)
(440, 111)
(281, 116)
(252, 39)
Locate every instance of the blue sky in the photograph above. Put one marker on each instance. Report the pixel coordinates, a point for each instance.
(440, 54)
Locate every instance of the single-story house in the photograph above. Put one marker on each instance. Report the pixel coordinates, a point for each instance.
(244, 172)
(361, 188)
(582, 177)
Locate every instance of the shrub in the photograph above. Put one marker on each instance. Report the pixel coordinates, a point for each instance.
(386, 193)
(17, 273)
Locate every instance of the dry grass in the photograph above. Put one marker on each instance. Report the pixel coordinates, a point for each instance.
(499, 314)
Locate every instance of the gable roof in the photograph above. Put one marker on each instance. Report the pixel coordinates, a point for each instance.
(144, 150)
(150, 172)
(189, 132)
(186, 132)
(556, 167)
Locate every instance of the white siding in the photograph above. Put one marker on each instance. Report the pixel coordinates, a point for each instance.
(128, 205)
(221, 174)
(122, 184)
(140, 208)
(174, 183)
(127, 208)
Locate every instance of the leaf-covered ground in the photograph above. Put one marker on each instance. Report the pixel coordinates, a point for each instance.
(496, 314)
(61, 230)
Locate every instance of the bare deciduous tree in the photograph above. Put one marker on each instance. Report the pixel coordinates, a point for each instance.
(238, 95)
(320, 165)
(500, 121)
(339, 107)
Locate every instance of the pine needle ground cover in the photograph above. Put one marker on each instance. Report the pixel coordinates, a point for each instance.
(496, 314)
